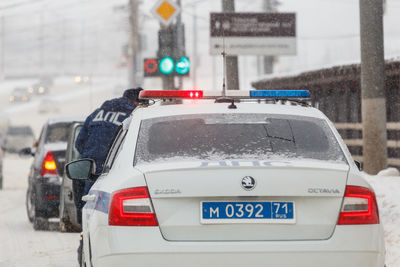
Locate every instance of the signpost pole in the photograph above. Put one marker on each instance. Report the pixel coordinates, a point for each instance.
(232, 71)
(195, 61)
(134, 43)
(268, 60)
(168, 81)
(171, 38)
(179, 42)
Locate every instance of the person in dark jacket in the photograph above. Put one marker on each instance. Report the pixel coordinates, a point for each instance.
(96, 135)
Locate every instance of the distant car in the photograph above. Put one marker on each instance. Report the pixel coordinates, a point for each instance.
(1, 169)
(20, 94)
(68, 211)
(81, 79)
(47, 81)
(17, 138)
(48, 105)
(38, 89)
(44, 181)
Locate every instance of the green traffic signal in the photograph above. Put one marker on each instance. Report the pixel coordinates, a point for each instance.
(167, 65)
(182, 66)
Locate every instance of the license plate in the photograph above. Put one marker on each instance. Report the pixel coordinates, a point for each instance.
(247, 212)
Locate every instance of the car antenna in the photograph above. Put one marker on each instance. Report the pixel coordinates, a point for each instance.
(224, 62)
(232, 101)
(223, 98)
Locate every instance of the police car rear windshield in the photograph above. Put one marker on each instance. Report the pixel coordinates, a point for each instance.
(236, 136)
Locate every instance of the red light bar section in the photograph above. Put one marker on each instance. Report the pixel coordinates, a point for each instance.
(169, 94)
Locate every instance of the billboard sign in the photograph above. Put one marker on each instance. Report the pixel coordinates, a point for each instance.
(253, 33)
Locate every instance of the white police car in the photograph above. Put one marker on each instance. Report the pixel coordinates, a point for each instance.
(244, 183)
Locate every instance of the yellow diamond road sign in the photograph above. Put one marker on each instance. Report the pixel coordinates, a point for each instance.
(166, 11)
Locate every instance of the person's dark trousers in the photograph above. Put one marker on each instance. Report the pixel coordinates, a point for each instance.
(78, 188)
(88, 185)
(79, 251)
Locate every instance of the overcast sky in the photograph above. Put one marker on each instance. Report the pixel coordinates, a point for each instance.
(327, 34)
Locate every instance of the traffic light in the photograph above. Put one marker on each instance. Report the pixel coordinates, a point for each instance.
(166, 66)
(151, 67)
(182, 66)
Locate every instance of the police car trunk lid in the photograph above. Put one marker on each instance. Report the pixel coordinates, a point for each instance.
(177, 191)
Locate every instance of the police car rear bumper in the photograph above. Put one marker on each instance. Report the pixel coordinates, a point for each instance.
(350, 246)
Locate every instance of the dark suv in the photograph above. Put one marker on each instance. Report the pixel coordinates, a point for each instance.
(44, 181)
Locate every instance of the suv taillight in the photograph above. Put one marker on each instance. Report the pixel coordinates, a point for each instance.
(359, 206)
(132, 207)
(49, 165)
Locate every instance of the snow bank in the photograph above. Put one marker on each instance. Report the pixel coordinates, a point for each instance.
(387, 190)
(389, 172)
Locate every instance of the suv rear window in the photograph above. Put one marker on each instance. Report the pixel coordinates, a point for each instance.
(236, 136)
(57, 132)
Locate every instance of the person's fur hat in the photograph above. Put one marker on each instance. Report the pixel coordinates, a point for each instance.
(132, 94)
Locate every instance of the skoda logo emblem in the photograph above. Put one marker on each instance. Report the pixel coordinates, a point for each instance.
(248, 183)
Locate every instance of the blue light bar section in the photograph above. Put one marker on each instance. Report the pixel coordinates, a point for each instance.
(280, 93)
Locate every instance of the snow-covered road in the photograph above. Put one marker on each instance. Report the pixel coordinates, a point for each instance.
(20, 245)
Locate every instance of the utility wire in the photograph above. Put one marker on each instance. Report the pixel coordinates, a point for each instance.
(20, 4)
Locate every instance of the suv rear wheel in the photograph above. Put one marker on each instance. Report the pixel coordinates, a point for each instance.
(30, 204)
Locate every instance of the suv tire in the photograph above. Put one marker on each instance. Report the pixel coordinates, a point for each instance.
(30, 204)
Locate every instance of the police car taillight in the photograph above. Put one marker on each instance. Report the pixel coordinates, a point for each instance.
(359, 206)
(49, 165)
(169, 94)
(132, 207)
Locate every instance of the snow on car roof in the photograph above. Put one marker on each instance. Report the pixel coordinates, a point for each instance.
(204, 106)
(65, 119)
(55, 146)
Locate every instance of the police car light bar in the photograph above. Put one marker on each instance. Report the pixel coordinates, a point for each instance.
(234, 94)
(169, 94)
(279, 94)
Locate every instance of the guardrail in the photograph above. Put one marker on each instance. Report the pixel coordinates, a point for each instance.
(358, 126)
(357, 142)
